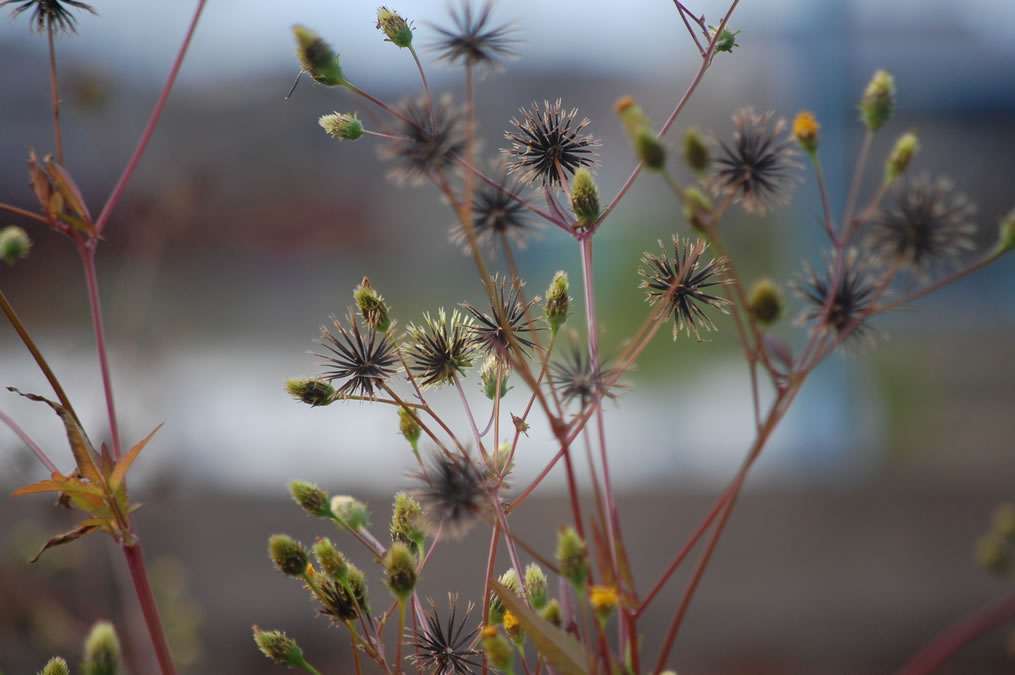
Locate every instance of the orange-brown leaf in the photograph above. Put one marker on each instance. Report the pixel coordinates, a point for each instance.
(120, 470)
(59, 483)
(84, 455)
(559, 648)
(65, 185)
(39, 180)
(86, 527)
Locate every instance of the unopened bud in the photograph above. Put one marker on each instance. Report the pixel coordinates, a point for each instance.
(557, 301)
(102, 651)
(331, 559)
(288, 555)
(400, 567)
(343, 126)
(696, 152)
(498, 650)
(553, 613)
(489, 380)
(901, 154)
(878, 100)
(572, 557)
(371, 306)
(311, 498)
(535, 586)
(410, 428)
(726, 41)
(697, 208)
(317, 58)
(395, 27)
(765, 302)
(56, 666)
(408, 525)
(278, 647)
(350, 511)
(584, 198)
(1006, 234)
(14, 244)
(650, 149)
(312, 391)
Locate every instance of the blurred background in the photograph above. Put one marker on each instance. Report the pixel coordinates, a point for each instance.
(246, 227)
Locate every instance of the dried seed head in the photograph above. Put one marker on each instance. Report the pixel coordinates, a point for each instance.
(546, 144)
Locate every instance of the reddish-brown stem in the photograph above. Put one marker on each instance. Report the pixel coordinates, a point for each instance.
(967, 629)
(138, 574)
(490, 561)
(128, 171)
(489, 181)
(33, 446)
(22, 212)
(55, 93)
(88, 261)
(22, 332)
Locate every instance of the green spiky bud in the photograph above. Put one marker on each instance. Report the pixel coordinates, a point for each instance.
(102, 650)
(553, 613)
(697, 208)
(409, 427)
(343, 126)
(288, 555)
(557, 301)
(510, 580)
(502, 463)
(408, 524)
(1006, 234)
(727, 39)
(395, 27)
(312, 391)
(650, 149)
(278, 647)
(371, 306)
(400, 568)
(357, 582)
(498, 650)
(535, 586)
(488, 377)
(56, 666)
(350, 511)
(317, 58)
(331, 559)
(901, 154)
(766, 302)
(584, 198)
(311, 498)
(878, 100)
(572, 557)
(14, 244)
(695, 151)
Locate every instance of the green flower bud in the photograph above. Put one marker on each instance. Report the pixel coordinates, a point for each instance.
(400, 567)
(408, 525)
(1006, 234)
(878, 100)
(535, 586)
(331, 559)
(500, 459)
(498, 650)
(343, 126)
(312, 391)
(102, 650)
(584, 198)
(766, 302)
(650, 149)
(697, 208)
(55, 666)
(631, 115)
(901, 154)
(14, 244)
(357, 582)
(727, 39)
(395, 27)
(557, 301)
(311, 498)
(572, 557)
(371, 306)
(278, 647)
(288, 555)
(695, 149)
(350, 511)
(317, 58)
(409, 427)
(497, 609)
(488, 377)
(553, 613)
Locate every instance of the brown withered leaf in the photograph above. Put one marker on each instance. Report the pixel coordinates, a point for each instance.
(68, 189)
(82, 529)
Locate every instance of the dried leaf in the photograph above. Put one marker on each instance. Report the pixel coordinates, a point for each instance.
(39, 180)
(86, 527)
(65, 185)
(59, 483)
(84, 455)
(559, 648)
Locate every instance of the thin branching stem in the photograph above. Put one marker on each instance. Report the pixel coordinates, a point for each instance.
(32, 445)
(54, 90)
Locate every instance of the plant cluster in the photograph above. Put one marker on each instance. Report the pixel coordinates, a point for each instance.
(578, 608)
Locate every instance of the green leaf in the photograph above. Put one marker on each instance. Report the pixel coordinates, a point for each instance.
(559, 648)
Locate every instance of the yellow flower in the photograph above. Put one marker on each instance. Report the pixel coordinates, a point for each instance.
(512, 626)
(603, 600)
(805, 130)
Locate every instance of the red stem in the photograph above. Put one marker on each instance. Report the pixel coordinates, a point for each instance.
(55, 93)
(88, 261)
(20, 433)
(138, 574)
(128, 171)
(956, 636)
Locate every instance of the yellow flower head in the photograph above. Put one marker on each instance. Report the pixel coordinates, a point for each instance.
(512, 626)
(805, 130)
(603, 600)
